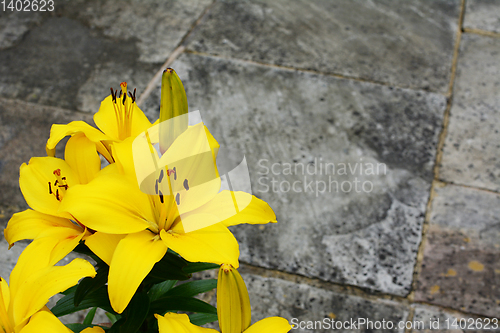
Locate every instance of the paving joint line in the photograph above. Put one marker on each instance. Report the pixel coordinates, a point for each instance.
(453, 311)
(153, 83)
(477, 188)
(481, 32)
(411, 315)
(439, 153)
(311, 71)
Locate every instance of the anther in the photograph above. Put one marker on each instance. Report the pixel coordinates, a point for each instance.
(156, 187)
(161, 176)
(178, 199)
(161, 197)
(113, 97)
(50, 189)
(175, 174)
(186, 185)
(57, 194)
(124, 98)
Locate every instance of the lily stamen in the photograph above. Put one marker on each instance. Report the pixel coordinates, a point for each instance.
(60, 183)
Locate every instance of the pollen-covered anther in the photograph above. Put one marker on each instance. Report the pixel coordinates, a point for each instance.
(132, 95)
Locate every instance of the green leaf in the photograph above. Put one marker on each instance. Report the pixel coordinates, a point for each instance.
(77, 328)
(194, 267)
(98, 298)
(180, 303)
(133, 316)
(112, 318)
(193, 288)
(168, 268)
(160, 289)
(135, 313)
(202, 318)
(89, 285)
(89, 317)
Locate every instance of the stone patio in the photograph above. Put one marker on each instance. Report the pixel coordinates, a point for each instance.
(411, 87)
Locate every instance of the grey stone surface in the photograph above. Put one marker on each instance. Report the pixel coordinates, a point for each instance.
(471, 152)
(461, 269)
(24, 130)
(72, 59)
(441, 321)
(304, 305)
(14, 25)
(482, 15)
(409, 44)
(282, 117)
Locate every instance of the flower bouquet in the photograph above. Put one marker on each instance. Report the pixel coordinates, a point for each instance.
(145, 203)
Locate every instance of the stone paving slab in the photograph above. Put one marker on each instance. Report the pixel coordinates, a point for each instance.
(71, 59)
(24, 130)
(408, 45)
(304, 305)
(460, 268)
(471, 154)
(436, 320)
(482, 15)
(295, 119)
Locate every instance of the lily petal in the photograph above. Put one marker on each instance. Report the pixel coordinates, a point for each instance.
(37, 288)
(34, 183)
(103, 245)
(45, 321)
(133, 259)
(4, 306)
(179, 323)
(82, 157)
(58, 132)
(214, 244)
(111, 204)
(42, 253)
(31, 224)
(229, 208)
(270, 325)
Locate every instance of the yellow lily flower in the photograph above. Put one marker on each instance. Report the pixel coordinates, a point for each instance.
(44, 183)
(33, 281)
(118, 118)
(191, 220)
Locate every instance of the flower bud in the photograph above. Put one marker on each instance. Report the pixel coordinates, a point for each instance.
(233, 303)
(173, 109)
